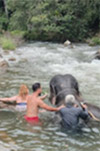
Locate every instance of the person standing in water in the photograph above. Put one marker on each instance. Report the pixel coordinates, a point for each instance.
(72, 113)
(20, 99)
(35, 102)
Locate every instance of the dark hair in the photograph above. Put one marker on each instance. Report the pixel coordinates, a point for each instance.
(36, 86)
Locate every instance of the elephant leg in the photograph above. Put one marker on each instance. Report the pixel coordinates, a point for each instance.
(52, 97)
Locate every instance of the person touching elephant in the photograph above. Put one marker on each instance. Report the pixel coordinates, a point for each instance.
(72, 113)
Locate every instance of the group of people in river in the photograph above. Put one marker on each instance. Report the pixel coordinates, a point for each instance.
(32, 102)
(70, 112)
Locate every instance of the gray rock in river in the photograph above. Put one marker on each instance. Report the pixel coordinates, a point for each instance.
(12, 59)
(97, 55)
(1, 56)
(67, 43)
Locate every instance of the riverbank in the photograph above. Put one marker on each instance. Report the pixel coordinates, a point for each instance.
(13, 39)
(52, 21)
(95, 40)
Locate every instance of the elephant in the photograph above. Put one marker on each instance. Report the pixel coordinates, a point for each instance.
(63, 85)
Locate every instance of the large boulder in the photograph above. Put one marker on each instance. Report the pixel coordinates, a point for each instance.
(67, 43)
(97, 55)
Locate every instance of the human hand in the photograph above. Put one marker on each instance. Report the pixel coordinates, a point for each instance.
(84, 106)
(43, 97)
(46, 95)
(60, 107)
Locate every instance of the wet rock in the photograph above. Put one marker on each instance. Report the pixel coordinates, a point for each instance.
(1, 56)
(3, 64)
(67, 43)
(12, 59)
(97, 55)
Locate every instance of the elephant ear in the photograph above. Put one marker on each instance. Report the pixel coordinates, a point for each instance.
(79, 98)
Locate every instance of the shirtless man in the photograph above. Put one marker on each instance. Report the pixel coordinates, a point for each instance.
(35, 102)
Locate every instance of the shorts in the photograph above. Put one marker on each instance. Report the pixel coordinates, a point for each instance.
(32, 120)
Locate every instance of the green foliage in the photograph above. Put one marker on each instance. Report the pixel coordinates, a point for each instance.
(17, 33)
(3, 21)
(95, 41)
(7, 44)
(52, 20)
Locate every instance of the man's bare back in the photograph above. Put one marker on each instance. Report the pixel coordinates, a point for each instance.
(35, 102)
(32, 106)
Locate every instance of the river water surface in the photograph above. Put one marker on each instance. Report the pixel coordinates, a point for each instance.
(40, 62)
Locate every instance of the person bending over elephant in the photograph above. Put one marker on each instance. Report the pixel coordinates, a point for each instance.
(72, 113)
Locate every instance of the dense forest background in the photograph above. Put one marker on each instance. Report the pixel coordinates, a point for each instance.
(51, 20)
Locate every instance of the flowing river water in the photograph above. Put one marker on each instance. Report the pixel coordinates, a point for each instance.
(40, 62)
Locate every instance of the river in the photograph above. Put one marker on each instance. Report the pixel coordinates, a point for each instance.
(40, 62)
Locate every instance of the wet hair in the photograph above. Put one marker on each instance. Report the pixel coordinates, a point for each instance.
(36, 86)
(70, 100)
(23, 91)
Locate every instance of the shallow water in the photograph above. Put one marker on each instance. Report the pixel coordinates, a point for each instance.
(40, 62)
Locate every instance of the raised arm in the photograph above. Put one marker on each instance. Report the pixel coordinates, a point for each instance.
(43, 97)
(14, 98)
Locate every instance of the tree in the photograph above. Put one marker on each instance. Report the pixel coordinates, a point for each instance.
(53, 20)
(5, 7)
